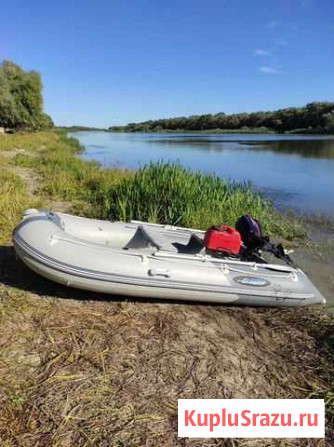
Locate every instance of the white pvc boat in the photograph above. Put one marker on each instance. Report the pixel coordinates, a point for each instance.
(151, 261)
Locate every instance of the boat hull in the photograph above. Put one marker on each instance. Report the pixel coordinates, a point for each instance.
(47, 249)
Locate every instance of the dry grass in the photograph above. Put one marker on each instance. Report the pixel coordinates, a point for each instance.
(13, 201)
(81, 369)
(28, 141)
(85, 370)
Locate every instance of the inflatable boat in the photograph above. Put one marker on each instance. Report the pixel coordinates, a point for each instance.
(147, 260)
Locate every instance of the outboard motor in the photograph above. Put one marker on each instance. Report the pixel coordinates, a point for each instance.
(251, 233)
(254, 240)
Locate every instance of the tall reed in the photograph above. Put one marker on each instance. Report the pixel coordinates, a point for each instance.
(171, 194)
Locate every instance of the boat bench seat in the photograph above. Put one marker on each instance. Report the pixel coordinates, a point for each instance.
(158, 240)
(172, 242)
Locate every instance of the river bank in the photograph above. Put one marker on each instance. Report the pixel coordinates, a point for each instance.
(260, 130)
(82, 369)
(246, 131)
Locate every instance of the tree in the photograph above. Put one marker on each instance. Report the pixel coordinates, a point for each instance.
(21, 100)
(317, 117)
(329, 121)
(8, 107)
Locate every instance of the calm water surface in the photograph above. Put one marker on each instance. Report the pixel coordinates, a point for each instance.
(295, 171)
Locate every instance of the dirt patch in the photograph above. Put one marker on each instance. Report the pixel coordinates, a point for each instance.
(10, 154)
(61, 206)
(29, 176)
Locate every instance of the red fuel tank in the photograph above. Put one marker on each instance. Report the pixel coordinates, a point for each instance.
(223, 238)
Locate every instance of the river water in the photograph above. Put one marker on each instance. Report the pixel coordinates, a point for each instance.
(296, 172)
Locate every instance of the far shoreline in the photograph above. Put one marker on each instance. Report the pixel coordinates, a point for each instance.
(75, 129)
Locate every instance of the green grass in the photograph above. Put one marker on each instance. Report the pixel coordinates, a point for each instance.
(171, 194)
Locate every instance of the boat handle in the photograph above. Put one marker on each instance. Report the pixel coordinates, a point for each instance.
(160, 272)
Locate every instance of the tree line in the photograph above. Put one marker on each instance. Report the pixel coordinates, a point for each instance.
(21, 99)
(316, 117)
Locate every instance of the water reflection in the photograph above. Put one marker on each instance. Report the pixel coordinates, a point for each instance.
(296, 171)
(309, 148)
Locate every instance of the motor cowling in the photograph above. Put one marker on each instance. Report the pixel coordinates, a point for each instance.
(251, 233)
(223, 239)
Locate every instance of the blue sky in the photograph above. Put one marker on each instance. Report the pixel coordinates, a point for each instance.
(109, 62)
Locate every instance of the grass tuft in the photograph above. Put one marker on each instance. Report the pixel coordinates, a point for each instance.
(172, 194)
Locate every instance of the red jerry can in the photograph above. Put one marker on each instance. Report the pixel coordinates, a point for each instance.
(223, 238)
